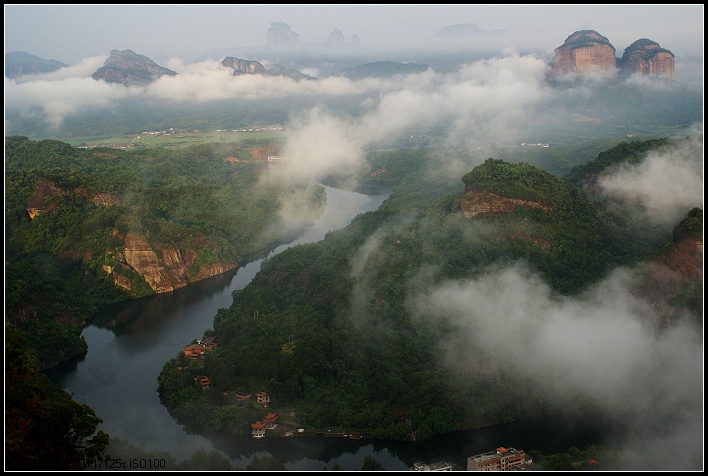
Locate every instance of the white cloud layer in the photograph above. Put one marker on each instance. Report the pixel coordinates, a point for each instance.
(601, 347)
(665, 185)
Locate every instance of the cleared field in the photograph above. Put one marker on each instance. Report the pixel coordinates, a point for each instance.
(169, 140)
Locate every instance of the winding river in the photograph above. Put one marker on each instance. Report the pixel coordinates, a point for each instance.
(129, 343)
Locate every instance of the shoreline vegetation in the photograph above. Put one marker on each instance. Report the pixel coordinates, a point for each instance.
(316, 346)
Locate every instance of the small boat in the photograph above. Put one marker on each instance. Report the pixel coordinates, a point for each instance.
(356, 437)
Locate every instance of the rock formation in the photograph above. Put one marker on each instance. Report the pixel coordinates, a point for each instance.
(241, 66)
(36, 203)
(280, 34)
(355, 40)
(336, 38)
(163, 273)
(673, 274)
(130, 69)
(583, 52)
(46, 189)
(647, 57)
(481, 203)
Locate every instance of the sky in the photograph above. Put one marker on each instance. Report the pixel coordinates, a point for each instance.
(69, 33)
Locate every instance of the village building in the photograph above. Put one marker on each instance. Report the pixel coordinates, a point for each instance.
(263, 398)
(439, 466)
(258, 429)
(503, 459)
(204, 381)
(269, 420)
(197, 350)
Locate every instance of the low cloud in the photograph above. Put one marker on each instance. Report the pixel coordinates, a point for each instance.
(601, 347)
(57, 99)
(667, 184)
(485, 101)
(84, 69)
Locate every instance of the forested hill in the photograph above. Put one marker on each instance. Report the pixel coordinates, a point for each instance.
(86, 227)
(327, 329)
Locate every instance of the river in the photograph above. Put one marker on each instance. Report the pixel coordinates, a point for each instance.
(129, 343)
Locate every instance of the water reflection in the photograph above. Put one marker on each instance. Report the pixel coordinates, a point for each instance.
(130, 342)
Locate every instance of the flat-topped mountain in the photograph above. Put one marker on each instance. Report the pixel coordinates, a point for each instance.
(130, 69)
(588, 51)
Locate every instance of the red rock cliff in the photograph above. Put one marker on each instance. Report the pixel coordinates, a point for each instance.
(168, 271)
(648, 58)
(583, 52)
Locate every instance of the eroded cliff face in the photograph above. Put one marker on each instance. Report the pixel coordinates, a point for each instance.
(241, 66)
(45, 189)
(481, 203)
(164, 270)
(648, 58)
(584, 52)
(476, 203)
(142, 258)
(667, 277)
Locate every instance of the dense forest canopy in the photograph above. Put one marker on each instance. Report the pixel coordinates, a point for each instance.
(342, 344)
(332, 330)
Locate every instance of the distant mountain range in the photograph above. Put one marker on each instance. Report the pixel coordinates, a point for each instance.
(19, 63)
(583, 52)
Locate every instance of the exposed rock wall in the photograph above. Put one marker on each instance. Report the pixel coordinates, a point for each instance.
(45, 189)
(480, 203)
(140, 256)
(163, 273)
(584, 52)
(241, 66)
(648, 58)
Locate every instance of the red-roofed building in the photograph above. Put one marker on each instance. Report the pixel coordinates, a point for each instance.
(258, 429)
(503, 459)
(204, 381)
(204, 344)
(269, 420)
(263, 398)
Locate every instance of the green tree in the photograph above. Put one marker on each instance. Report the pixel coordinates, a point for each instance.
(265, 463)
(372, 464)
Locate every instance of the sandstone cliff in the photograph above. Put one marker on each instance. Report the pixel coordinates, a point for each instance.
(647, 57)
(481, 203)
(130, 69)
(164, 269)
(477, 203)
(583, 52)
(241, 66)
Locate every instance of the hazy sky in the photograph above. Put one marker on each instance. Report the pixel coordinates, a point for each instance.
(69, 33)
